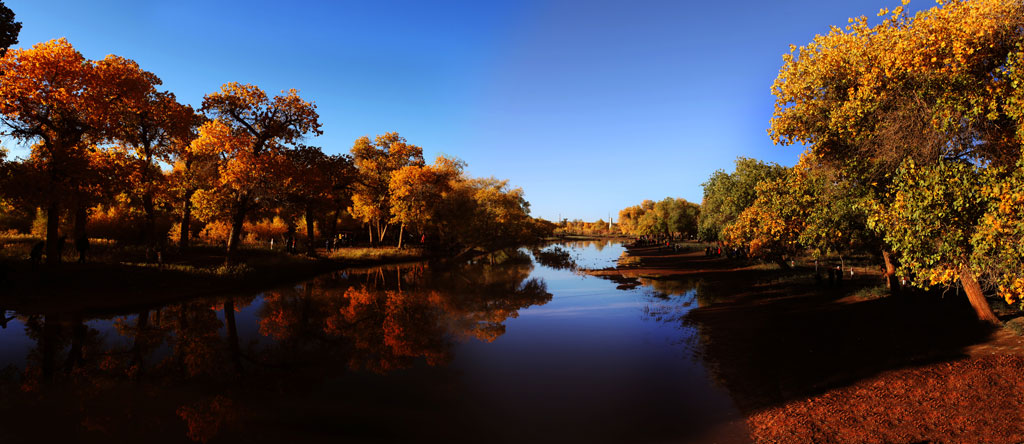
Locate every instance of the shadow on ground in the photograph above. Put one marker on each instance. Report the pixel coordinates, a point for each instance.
(772, 351)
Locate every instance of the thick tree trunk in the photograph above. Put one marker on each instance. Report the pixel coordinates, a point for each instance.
(310, 232)
(289, 237)
(234, 239)
(890, 272)
(401, 232)
(52, 236)
(369, 228)
(186, 221)
(976, 297)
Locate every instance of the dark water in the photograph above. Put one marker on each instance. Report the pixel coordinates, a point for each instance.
(503, 349)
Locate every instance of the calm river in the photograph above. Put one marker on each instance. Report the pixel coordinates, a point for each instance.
(514, 347)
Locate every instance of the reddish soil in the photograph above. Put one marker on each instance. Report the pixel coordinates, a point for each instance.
(807, 361)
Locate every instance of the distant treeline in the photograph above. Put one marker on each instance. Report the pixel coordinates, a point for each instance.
(668, 217)
(579, 227)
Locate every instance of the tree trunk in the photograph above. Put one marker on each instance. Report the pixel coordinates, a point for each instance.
(976, 297)
(140, 338)
(310, 246)
(150, 228)
(236, 234)
(49, 347)
(401, 231)
(890, 273)
(52, 226)
(81, 241)
(306, 300)
(148, 206)
(332, 225)
(233, 348)
(381, 232)
(75, 357)
(369, 227)
(186, 221)
(289, 237)
(183, 325)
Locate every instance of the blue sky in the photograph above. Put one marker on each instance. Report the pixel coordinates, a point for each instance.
(589, 106)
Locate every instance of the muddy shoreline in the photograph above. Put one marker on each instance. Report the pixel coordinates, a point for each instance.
(109, 288)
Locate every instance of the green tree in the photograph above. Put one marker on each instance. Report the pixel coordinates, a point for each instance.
(836, 213)
(772, 224)
(726, 195)
(677, 216)
(998, 241)
(936, 85)
(934, 212)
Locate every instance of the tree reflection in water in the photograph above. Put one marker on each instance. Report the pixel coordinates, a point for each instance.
(187, 363)
(555, 257)
(386, 319)
(668, 303)
(559, 255)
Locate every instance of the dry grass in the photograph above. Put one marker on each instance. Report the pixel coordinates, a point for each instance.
(16, 246)
(1016, 325)
(359, 254)
(871, 293)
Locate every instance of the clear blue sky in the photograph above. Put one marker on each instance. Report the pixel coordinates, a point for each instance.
(589, 106)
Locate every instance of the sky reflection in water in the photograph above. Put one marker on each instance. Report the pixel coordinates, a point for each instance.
(505, 347)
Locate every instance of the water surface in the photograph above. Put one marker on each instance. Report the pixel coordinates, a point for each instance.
(502, 349)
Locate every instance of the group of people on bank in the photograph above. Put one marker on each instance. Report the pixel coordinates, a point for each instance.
(730, 252)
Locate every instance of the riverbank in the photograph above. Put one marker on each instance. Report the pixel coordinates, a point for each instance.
(584, 237)
(109, 285)
(806, 361)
